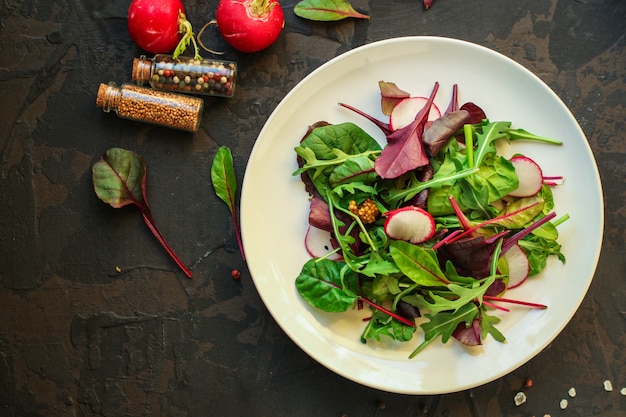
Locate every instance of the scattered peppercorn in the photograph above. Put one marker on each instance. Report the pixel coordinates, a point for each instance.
(367, 211)
(235, 274)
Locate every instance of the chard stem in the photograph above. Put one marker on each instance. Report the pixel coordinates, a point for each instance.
(388, 312)
(147, 217)
(512, 301)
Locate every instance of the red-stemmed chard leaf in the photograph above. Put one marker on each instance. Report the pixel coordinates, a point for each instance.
(119, 179)
(225, 186)
(454, 100)
(405, 150)
(327, 10)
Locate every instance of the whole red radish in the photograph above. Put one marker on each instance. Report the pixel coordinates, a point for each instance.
(154, 24)
(250, 25)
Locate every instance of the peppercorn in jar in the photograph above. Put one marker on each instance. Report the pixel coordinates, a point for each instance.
(186, 75)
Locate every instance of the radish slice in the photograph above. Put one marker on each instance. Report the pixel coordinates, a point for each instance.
(518, 264)
(318, 243)
(405, 111)
(529, 174)
(411, 223)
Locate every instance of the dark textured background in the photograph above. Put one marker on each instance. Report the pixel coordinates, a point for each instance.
(78, 338)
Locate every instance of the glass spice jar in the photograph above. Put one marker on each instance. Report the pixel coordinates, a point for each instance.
(186, 75)
(144, 104)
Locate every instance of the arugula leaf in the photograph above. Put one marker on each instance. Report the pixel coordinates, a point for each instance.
(463, 295)
(487, 326)
(538, 250)
(381, 324)
(443, 324)
(521, 134)
(486, 135)
(327, 10)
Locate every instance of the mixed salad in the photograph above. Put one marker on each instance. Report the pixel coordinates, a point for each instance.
(432, 228)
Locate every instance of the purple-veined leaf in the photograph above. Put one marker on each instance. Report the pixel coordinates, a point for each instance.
(405, 149)
(119, 179)
(390, 95)
(327, 10)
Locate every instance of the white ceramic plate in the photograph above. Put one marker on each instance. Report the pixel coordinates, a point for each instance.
(274, 210)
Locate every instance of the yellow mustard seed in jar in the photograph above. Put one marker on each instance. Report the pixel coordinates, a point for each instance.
(143, 104)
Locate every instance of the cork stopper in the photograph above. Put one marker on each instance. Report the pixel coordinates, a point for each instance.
(107, 96)
(142, 69)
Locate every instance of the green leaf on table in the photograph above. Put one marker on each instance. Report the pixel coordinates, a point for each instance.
(327, 10)
(119, 178)
(225, 186)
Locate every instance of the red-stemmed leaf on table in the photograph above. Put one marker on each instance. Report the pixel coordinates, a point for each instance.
(119, 179)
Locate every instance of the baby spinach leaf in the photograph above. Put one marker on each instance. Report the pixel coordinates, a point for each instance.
(321, 284)
(519, 213)
(495, 179)
(119, 179)
(327, 10)
(328, 148)
(357, 169)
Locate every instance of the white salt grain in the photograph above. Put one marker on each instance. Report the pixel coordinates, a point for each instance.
(520, 398)
(572, 392)
(623, 391)
(563, 404)
(608, 386)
